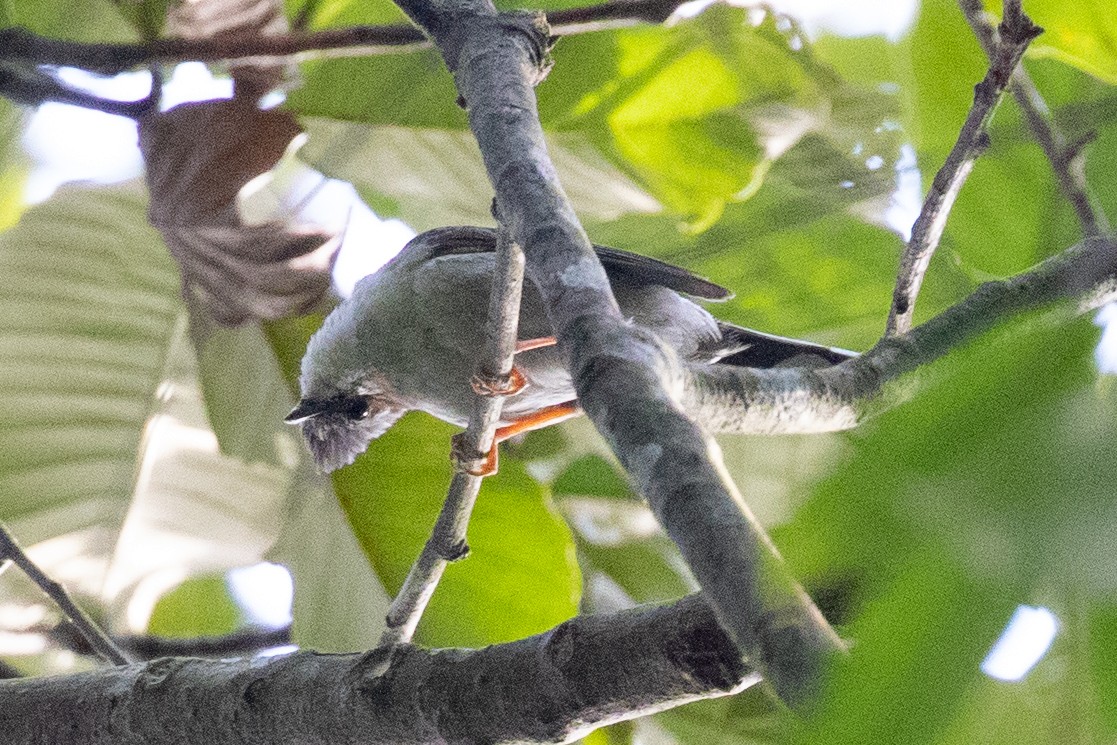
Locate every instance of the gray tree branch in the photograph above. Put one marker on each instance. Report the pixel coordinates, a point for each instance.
(549, 688)
(1065, 157)
(627, 382)
(20, 46)
(448, 539)
(1016, 33)
(788, 400)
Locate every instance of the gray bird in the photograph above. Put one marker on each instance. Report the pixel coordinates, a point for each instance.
(408, 339)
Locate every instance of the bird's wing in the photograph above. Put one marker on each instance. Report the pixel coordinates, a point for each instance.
(620, 266)
(643, 270)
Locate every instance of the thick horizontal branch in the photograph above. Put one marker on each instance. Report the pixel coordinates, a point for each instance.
(21, 46)
(798, 400)
(550, 688)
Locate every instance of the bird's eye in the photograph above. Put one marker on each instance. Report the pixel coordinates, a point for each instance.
(356, 409)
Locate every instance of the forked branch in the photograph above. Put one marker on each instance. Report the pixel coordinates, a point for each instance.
(1065, 157)
(1016, 33)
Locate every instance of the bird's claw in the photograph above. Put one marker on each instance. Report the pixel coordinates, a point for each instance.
(469, 461)
(498, 385)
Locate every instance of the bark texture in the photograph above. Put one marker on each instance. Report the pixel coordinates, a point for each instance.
(549, 688)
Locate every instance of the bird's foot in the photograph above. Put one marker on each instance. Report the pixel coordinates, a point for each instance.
(469, 461)
(498, 385)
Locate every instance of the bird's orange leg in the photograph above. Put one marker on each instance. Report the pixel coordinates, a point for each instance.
(545, 417)
(515, 381)
(525, 345)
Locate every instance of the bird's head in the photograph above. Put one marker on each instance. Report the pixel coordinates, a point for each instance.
(346, 401)
(337, 428)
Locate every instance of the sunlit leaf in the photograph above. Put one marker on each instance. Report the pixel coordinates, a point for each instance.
(1083, 34)
(201, 606)
(520, 577)
(108, 468)
(435, 177)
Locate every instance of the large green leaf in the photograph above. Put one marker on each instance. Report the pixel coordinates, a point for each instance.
(520, 577)
(798, 266)
(435, 177)
(1057, 701)
(90, 303)
(109, 470)
(694, 113)
(937, 66)
(995, 477)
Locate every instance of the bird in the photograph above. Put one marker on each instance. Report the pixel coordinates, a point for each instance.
(409, 335)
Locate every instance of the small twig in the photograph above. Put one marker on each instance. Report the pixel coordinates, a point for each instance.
(19, 46)
(448, 539)
(98, 639)
(1016, 32)
(26, 84)
(1065, 157)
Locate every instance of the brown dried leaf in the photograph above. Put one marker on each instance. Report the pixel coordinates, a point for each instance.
(202, 19)
(198, 157)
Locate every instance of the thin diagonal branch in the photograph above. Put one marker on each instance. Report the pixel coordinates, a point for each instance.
(1016, 32)
(448, 539)
(627, 382)
(17, 45)
(1065, 157)
(10, 550)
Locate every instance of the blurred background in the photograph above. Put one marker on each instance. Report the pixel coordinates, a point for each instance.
(780, 149)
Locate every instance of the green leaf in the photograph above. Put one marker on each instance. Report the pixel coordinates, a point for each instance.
(412, 88)
(1100, 656)
(917, 652)
(339, 603)
(200, 606)
(939, 63)
(749, 718)
(1081, 33)
(520, 577)
(244, 391)
(797, 268)
(994, 477)
(13, 166)
(74, 20)
(1055, 703)
(89, 306)
(446, 182)
(104, 444)
(592, 475)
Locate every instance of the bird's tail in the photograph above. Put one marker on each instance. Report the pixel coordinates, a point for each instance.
(743, 347)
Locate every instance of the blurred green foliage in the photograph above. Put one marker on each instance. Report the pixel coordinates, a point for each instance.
(734, 145)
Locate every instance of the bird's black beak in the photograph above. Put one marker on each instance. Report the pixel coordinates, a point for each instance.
(308, 408)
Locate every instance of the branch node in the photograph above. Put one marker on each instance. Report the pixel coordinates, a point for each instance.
(456, 552)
